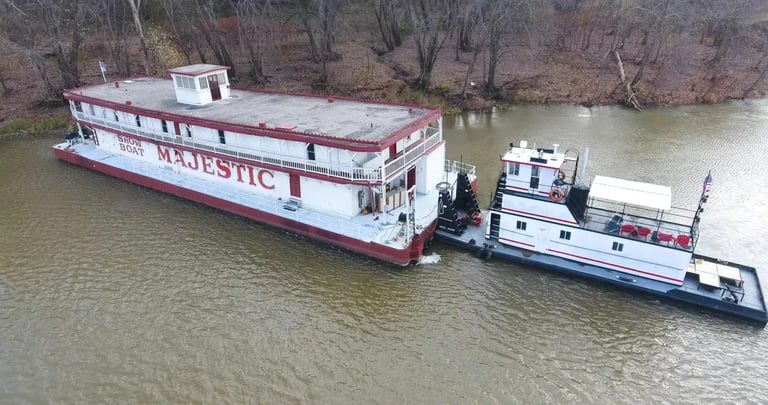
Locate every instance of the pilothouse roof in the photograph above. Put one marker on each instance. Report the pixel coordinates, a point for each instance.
(632, 192)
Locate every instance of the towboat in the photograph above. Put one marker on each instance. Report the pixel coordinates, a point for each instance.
(356, 174)
(622, 232)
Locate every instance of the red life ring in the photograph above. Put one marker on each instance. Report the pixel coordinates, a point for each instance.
(556, 195)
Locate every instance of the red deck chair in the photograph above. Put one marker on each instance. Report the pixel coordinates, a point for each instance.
(683, 241)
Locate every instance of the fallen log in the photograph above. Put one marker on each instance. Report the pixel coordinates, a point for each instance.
(630, 99)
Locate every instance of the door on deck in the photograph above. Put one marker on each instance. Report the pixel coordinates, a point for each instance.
(392, 151)
(542, 240)
(213, 84)
(411, 180)
(295, 181)
(535, 177)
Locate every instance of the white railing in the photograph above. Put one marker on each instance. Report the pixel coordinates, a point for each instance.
(354, 174)
(453, 166)
(323, 220)
(410, 156)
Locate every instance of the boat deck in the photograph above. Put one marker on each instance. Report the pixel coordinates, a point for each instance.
(385, 229)
(639, 227)
(322, 117)
(710, 283)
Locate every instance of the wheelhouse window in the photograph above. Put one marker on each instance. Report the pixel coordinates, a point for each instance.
(185, 82)
(565, 235)
(138, 121)
(619, 247)
(222, 138)
(90, 107)
(514, 169)
(188, 130)
(521, 225)
(203, 82)
(78, 106)
(311, 151)
(164, 124)
(534, 177)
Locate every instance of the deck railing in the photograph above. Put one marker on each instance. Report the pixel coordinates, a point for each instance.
(413, 154)
(354, 174)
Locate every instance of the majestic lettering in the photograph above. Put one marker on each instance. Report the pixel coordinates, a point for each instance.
(218, 167)
(130, 145)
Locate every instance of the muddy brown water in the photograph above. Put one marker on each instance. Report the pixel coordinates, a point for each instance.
(112, 293)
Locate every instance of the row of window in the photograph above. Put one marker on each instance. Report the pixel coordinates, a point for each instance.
(188, 129)
(185, 82)
(514, 170)
(566, 235)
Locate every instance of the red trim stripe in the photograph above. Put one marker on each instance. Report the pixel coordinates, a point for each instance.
(516, 241)
(540, 216)
(616, 265)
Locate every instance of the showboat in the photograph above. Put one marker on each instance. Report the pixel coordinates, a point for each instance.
(355, 174)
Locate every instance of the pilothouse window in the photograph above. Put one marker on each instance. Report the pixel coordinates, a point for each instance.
(534, 177)
(514, 169)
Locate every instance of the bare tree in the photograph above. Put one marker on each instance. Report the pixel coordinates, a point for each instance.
(319, 20)
(111, 16)
(501, 19)
(432, 22)
(135, 9)
(254, 33)
(387, 17)
(57, 24)
(213, 34)
(182, 19)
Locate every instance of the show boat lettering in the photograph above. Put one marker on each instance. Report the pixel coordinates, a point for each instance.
(131, 145)
(218, 167)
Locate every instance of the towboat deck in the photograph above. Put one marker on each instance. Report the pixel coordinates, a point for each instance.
(728, 288)
(382, 228)
(638, 227)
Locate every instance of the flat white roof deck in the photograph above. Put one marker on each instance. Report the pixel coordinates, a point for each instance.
(336, 119)
(635, 193)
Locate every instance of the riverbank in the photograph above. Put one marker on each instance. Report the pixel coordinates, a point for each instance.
(526, 74)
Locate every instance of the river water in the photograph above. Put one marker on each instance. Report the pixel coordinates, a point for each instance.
(112, 293)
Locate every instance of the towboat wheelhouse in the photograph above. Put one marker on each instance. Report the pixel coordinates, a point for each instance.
(359, 175)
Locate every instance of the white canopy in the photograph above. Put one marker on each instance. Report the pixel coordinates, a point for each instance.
(632, 192)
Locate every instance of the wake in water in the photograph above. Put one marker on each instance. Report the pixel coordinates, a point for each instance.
(434, 258)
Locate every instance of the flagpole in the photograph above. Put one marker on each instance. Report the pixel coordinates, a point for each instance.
(103, 68)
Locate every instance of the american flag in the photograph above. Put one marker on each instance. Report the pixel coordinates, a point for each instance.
(708, 183)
